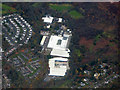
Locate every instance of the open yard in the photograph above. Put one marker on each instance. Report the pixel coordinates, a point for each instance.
(76, 15)
(60, 7)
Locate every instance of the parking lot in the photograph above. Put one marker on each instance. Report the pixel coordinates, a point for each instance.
(16, 30)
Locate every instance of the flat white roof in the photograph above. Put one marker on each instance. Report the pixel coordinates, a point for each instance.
(57, 72)
(59, 69)
(59, 19)
(48, 26)
(58, 52)
(48, 19)
(58, 42)
(43, 40)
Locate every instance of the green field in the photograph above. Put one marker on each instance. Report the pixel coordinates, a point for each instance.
(7, 9)
(76, 15)
(66, 7)
(60, 7)
(36, 4)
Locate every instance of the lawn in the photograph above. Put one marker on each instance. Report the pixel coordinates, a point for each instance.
(66, 7)
(7, 9)
(36, 4)
(76, 15)
(60, 7)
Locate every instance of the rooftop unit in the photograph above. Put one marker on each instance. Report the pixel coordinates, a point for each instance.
(47, 19)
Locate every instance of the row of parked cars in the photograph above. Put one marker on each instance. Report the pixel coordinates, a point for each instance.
(19, 30)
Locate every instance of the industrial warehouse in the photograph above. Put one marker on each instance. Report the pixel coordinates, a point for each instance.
(58, 45)
(58, 66)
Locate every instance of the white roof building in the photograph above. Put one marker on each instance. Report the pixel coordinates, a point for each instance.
(47, 19)
(48, 26)
(43, 40)
(61, 53)
(59, 19)
(58, 42)
(59, 45)
(58, 66)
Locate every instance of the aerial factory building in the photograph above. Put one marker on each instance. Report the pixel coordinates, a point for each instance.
(58, 66)
(58, 46)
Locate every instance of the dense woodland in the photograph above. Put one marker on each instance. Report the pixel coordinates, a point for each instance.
(94, 37)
